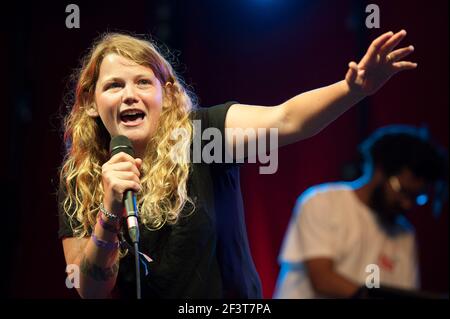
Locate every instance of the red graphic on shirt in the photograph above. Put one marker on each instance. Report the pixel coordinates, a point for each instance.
(386, 262)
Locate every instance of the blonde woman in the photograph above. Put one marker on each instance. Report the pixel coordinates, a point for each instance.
(191, 216)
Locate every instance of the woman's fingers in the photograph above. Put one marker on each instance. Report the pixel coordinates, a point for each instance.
(117, 182)
(120, 173)
(138, 162)
(376, 45)
(389, 45)
(404, 65)
(399, 54)
(127, 176)
(125, 166)
(121, 157)
(352, 72)
(120, 186)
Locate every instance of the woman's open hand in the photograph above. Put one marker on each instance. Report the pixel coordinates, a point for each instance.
(379, 63)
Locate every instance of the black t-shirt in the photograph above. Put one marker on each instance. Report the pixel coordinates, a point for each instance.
(206, 253)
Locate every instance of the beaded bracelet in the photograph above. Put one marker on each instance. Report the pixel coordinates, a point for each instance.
(111, 228)
(106, 213)
(109, 245)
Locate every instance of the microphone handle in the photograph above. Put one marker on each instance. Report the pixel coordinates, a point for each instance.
(133, 231)
(132, 222)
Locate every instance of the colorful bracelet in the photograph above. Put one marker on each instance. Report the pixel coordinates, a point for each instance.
(106, 213)
(109, 245)
(109, 227)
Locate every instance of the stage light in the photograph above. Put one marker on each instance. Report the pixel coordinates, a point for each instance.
(422, 199)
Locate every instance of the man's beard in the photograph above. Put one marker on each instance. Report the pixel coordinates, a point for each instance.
(386, 214)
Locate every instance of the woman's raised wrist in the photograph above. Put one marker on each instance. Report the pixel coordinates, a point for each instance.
(105, 244)
(111, 225)
(108, 214)
(353, 91)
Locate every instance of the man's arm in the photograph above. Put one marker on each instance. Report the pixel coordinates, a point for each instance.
(326, 281)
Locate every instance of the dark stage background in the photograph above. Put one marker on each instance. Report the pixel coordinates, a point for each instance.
(253, 51)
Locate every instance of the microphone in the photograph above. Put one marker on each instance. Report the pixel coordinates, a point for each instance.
(121, 143)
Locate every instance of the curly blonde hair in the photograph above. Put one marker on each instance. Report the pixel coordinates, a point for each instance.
(164, 181)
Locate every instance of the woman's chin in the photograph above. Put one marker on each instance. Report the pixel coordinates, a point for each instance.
(134, 132)
(138, 138)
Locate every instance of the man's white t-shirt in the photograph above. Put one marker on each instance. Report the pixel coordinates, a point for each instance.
(330, 221)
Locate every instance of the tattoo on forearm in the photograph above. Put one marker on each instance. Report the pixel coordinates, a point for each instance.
(96, 272)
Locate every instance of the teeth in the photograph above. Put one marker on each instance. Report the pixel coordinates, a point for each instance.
(131, 112)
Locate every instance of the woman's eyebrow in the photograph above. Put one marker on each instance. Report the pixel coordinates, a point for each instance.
(144, 75)
(111, 79)
(115, 78)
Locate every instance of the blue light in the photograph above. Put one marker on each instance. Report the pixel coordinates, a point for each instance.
(263, 2)
(422, 199)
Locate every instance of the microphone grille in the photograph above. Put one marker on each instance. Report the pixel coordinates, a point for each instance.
(121, 143)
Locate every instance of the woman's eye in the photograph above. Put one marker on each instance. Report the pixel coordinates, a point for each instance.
(144, 82)
(113, 85)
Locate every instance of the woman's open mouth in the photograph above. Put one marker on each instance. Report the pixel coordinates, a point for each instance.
(132, 117)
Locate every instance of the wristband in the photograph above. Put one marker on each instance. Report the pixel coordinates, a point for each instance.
(111, 228)
(109, 245)
(106, 213)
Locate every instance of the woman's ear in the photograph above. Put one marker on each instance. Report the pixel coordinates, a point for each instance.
(92, 111)
(168, 87)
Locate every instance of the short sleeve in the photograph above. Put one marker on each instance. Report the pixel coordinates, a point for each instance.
(209, 133)
(312, 231)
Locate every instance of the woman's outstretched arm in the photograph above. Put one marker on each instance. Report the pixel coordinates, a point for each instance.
(308, 113)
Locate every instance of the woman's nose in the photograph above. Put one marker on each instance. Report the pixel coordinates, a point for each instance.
(129, 95)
